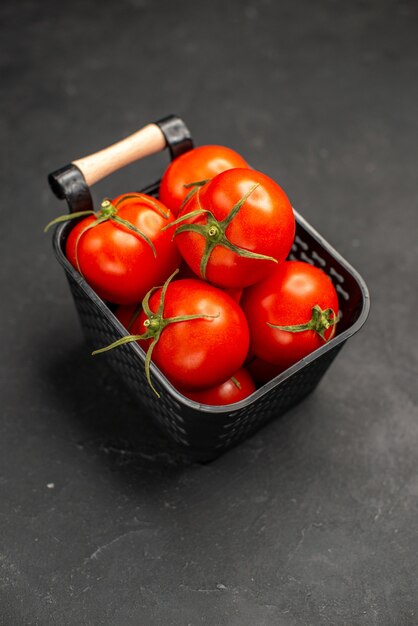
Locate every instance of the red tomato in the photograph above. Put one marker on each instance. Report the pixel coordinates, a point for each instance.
(249, 215)
(127, 314)
(194, 353)
(261, 371)
(117, 262)
(235, 293)
(202, 163)
(186, 272)
(236, 388)
(287, 298)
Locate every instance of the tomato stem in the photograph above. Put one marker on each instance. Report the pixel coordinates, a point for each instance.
(196, 183)
(214, 231)
(140, 197)
(66, 218)
(194, 186)
(155, 323)
(320, 321)
(236, 382)
(107, 211)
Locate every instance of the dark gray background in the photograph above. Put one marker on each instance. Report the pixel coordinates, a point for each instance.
(314, 519)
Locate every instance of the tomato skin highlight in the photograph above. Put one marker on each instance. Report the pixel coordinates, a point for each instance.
(198, 164)
(225, 393)
(286, 298)
(199, 353)
(265, 224)
(117, 263)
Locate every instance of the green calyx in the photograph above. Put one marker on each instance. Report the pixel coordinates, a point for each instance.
(320, 322)
(194, 187)
(154, 325)
(107, 211)
(214, 232)
(236, 382)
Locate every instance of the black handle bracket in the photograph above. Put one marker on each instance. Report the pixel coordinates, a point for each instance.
(69, 183)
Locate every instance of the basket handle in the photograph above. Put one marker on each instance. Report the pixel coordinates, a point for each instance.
(73, 181)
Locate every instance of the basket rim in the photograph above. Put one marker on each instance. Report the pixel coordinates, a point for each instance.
(338, 340)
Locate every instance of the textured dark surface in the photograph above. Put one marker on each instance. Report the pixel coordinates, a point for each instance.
(314, 519)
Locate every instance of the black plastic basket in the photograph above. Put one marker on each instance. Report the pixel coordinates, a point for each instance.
(207, 431)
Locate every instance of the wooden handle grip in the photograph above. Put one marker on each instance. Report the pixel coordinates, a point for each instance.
(142, 143)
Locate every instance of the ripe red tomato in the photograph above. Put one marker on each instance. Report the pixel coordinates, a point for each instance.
(261, 371)
(246, 226)
(118, 263)
(127, 314)
(186, 272)
(290, 297)
(236, 388)
(235, 293)
(202, 163)
(194, 353)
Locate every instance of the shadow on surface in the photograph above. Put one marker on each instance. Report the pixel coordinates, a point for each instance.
(105, 416)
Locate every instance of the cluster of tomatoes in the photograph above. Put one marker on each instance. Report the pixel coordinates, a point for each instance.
(201, 279)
